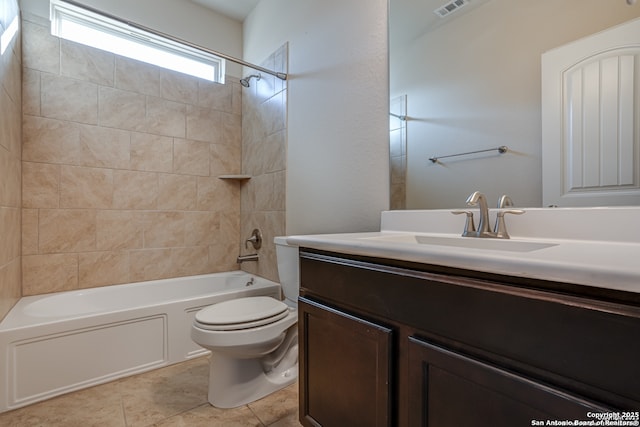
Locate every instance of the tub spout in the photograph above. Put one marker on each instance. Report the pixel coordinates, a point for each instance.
(245, 258)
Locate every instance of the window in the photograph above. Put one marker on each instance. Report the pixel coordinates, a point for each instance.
(92, 29)
(8, 35)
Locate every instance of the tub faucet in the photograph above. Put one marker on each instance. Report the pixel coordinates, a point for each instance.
(255, 239)
(477, 198)
(245, 258)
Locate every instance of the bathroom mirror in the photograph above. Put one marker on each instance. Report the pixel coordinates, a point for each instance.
(472, 81)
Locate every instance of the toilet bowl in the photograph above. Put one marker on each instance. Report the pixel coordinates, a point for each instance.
(253, 341)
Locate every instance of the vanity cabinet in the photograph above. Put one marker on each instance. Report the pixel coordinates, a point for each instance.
(390, 343)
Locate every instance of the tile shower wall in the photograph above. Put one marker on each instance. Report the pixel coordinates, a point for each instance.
(264, 148)
(398, 152)
(120, 165)
(10, 140)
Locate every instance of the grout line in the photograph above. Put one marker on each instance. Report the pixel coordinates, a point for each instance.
(256, 415)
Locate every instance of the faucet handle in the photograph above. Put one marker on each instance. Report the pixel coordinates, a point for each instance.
(504, 201)
(469, 226)
(500, 229)
(255, 239)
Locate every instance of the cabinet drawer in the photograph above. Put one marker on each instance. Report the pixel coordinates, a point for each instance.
(448, 388)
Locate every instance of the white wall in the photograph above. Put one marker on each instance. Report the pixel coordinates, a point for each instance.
(475, 83)
(180, 18)
(338, 100)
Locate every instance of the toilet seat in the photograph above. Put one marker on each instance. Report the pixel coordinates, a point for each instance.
(241, 313)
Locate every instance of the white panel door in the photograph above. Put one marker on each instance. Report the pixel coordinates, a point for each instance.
(590, 120)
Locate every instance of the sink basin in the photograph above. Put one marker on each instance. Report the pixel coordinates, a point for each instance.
(464, 242)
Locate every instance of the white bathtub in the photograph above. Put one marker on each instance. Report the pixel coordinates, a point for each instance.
(52, 344)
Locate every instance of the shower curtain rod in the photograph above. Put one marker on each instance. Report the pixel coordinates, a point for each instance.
(281, 76)
(400, 117)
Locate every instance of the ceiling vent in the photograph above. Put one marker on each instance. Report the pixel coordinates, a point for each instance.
(449, 8)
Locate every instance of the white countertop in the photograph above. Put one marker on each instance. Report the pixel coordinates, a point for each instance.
(609, 258)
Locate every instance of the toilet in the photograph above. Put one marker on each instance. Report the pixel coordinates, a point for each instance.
(254, 340)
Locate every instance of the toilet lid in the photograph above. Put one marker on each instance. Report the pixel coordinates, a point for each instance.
(242, 313)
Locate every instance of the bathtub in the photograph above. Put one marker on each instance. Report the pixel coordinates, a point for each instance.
(56, 343)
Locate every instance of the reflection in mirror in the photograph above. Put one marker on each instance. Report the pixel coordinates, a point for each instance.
(472, 81)
(398, 151)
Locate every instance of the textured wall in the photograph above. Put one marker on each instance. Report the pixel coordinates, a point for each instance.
(120, 166)
(10, 141)
(337, 108)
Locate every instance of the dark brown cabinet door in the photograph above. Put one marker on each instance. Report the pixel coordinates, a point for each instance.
(450, 389)
(345, 368)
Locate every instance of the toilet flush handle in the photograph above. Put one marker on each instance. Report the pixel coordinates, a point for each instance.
(255, 239)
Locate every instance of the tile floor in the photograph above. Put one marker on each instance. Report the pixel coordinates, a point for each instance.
(172, 396)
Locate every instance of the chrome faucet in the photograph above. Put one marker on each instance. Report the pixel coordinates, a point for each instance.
(255, 239)
(504, 201)
(256, 242)
(469, 225)
(483, 230)
(477, 198)
(500, 228)
(245, 258)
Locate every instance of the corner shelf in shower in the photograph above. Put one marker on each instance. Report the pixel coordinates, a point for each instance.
(239, 177)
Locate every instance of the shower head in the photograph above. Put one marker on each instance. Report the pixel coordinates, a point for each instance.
(245, 82)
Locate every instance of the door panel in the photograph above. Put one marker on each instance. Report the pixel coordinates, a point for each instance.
(344, 368)
(591, 143)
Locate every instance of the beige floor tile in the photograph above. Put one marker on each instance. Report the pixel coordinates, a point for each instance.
(97, 406)
(276, 406)
(289, 421)
(209, 416)
(154, 396)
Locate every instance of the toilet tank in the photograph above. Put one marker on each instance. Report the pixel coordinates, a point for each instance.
(288, 270)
